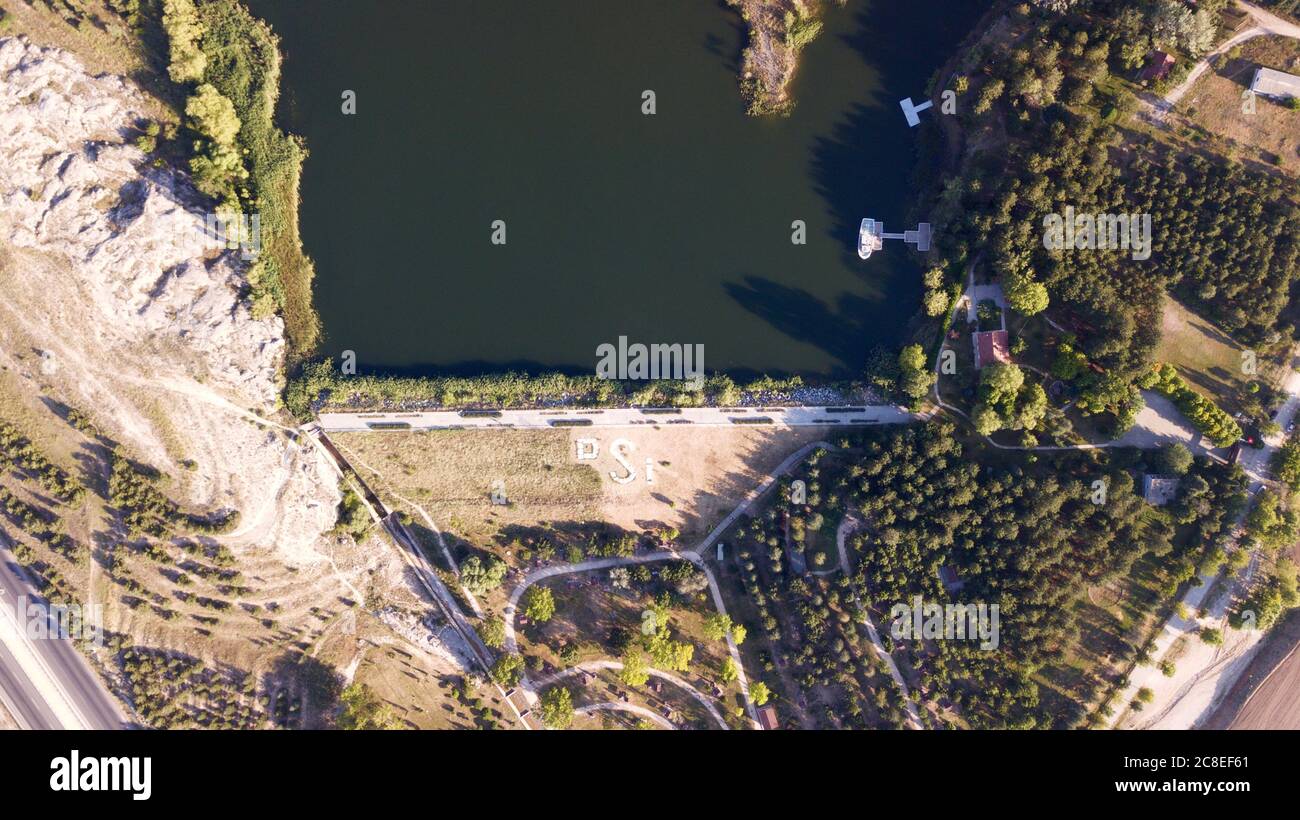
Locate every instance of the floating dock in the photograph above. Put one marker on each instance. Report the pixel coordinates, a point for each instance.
(919, 237)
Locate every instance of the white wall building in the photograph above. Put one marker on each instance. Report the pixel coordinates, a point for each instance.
(1276, 84)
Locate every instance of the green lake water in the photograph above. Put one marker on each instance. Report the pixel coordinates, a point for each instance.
(671, 228)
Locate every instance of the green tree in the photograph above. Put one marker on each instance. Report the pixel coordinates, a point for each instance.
(212, 115)
(911, 357)
(1174, 459)
(557, 708)
(936, 302)
(668, 654)
(915, 380)
(1287, 464)
(1027, 297)
(759, 693)
(989, 94)
(480, 578)
(716, 626)
(184, 30)
(986, 421)
(634, 671)
(508, 670)
(362, 710)
(539, 604)
(493, 632)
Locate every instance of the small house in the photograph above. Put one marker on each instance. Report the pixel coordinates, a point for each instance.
(1159, 64)
(767, 717)
(951, 580)
(1277, 85)
(1159, 490)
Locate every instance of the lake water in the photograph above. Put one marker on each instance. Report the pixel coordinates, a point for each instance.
(668, 228)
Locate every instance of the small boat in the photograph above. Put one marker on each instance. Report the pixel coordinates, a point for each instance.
(869, 237)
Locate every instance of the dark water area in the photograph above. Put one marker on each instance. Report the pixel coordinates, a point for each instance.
(670, 228)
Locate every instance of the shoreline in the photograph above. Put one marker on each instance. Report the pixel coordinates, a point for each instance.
(319, 387)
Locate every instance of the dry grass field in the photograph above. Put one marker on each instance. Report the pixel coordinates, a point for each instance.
(699, 475)
(1271, 134)
(1264, 696)
(1205, 356)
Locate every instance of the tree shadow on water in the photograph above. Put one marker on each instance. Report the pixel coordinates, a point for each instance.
(839, 332)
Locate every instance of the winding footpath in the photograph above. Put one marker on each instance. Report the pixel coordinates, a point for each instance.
(1265, 22)
(696, 556)
(913, 714)
(597, 666)
(615, 706)
(530, 689)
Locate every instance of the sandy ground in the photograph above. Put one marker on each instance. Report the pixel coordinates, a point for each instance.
(6, 720)
(698, 476)
(1195, 693)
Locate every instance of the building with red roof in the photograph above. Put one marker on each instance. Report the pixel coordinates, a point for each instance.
(991, 347)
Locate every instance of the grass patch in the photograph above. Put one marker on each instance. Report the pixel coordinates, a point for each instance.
(320, 387)
(1206, 357)
(244, 65)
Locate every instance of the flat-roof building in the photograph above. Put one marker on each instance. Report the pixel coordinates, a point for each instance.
(1159, 490)
(1276, 84)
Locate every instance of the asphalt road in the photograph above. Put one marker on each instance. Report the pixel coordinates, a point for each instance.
(46, 683)
(21, 699)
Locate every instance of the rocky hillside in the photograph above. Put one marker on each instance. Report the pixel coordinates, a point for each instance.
(113, 308)
(130, 234)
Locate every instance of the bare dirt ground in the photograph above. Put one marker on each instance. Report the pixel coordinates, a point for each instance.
(549, 494)
(698, 475)
(1264, 697)
(1271, 133)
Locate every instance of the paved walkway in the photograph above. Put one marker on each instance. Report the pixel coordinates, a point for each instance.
(778, 417)
(913, 714)
(616, 706)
